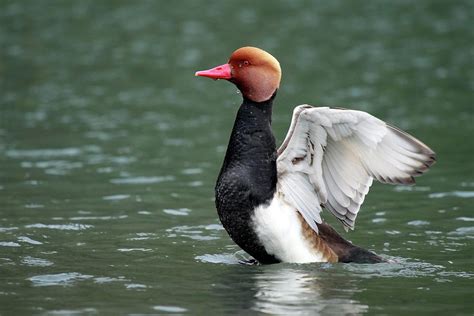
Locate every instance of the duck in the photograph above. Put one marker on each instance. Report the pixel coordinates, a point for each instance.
(270, 200)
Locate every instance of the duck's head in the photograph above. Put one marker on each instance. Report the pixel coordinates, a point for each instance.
(255, 72)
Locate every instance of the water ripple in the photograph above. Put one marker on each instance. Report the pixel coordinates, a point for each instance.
(58, 279)
(169, 309)
(142, 180)
(194, 232)
(116, 197)
(72, 226)
(104, 218)
(41, 153)
(135, 286)
(102, 280)
(224, 258)
(69, 312)
(399, 267)
(54, 167)
(461, 194)
(29, 240)
(36, 262)
(134, 249)
(178, 212)
(463, 231)
(401, 188)
(465, 219)
(5, 229)
(190, 171)
(9, 244)
(418, 223)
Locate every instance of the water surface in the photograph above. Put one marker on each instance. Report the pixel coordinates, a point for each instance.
(109, 149)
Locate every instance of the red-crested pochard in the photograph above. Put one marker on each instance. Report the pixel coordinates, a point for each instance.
(270, 201)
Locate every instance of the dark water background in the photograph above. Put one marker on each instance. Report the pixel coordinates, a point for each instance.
(109, 149)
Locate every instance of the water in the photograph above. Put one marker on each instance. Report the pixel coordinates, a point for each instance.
(109, 149)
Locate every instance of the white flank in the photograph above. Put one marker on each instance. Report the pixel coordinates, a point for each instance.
(279, 230)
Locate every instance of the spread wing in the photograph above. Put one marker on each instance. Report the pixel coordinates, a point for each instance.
(330, 157)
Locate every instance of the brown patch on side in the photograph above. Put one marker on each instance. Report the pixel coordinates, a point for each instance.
(335, 241)
(345, 251)
(318, 243)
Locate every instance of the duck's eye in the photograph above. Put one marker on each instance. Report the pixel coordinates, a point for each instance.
(244, 63)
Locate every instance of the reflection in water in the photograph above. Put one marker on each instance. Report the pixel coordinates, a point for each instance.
(292, 291)
(315, 289)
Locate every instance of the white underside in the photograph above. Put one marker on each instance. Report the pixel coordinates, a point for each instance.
(279, 229)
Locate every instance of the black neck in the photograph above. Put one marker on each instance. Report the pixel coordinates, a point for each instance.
(252, 117)
(252, 148)
(248, 176)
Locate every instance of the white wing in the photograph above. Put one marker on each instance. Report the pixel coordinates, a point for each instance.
(330, 157)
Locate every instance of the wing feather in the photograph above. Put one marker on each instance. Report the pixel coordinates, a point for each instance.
(330, 157)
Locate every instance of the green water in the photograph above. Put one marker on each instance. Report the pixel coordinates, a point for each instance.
(109, 149)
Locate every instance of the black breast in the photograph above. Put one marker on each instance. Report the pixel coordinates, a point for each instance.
(248, 176)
